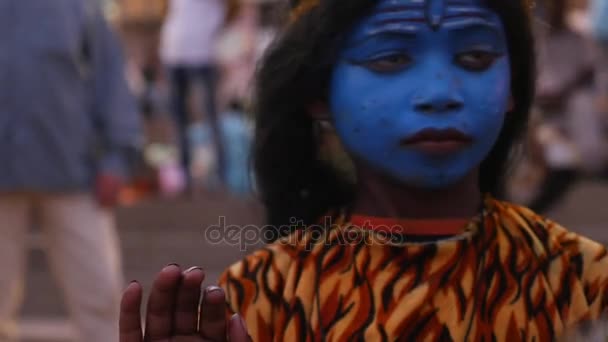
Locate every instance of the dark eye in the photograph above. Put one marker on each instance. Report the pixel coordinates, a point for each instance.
(476, 60)
(388, 63)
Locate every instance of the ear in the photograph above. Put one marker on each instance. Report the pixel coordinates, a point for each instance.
(319, 111)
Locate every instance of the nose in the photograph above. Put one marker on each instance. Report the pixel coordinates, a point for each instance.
(438, 96)
(430, 107)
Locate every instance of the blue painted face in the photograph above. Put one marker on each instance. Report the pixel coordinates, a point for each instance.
(421, 89)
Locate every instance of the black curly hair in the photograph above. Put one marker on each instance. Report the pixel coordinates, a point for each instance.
(293, 181)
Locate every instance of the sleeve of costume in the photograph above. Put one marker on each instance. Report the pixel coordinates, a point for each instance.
(254, 289)
(588, 261)
(595, 276)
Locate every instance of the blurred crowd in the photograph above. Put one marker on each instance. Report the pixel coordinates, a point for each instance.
(190, 64)
(567, 139)
(103, 103)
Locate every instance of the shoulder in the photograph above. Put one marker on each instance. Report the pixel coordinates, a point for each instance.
(272, 258)
(551, 237)
(279, 256)
(253, 284)
(263, 285)
(571, 262)
(270, 266)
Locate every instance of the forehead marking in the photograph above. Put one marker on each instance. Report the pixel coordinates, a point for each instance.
(434, 12)
(400, 8)
(460, 2)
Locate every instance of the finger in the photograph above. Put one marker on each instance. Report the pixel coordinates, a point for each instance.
(185, 320)
(130, 316)
(237, 332)
(213, 314)
(161, 304)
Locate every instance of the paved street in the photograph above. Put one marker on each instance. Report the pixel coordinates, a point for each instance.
(157, 232)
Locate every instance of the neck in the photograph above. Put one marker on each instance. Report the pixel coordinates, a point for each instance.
(381, 197)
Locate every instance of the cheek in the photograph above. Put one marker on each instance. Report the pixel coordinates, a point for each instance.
(496, 88)
(356, 105)
(357, 94)
(351, 90)
(488, 97)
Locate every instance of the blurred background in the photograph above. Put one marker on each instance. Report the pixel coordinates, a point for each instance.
(189, 65)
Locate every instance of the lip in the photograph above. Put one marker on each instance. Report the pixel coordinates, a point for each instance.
(437, 141)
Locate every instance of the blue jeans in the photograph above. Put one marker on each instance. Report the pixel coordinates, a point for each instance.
(182, 78)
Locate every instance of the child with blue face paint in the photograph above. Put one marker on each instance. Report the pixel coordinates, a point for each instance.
(427, 98)
(419, 101)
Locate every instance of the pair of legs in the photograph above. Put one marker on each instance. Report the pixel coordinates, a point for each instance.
(83, 253)
(182, 78)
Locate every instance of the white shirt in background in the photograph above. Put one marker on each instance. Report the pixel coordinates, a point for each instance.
(190, 32)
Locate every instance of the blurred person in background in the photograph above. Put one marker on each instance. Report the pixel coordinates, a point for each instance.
(188, 41)
(567, 130)
(241, 45)
(235, 52)
(598, 15)
(68, 127)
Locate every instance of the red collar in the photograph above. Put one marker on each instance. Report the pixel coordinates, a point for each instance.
(439, 227)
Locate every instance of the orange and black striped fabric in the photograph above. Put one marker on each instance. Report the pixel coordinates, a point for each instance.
(511, 276)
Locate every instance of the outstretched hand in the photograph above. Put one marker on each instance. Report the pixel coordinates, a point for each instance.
(172, 311)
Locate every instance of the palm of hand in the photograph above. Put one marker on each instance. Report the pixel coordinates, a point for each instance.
(172, 313)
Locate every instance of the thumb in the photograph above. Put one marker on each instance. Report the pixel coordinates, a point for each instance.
(237, 330)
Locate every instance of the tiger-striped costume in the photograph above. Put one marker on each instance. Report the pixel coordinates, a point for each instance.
(512, 276)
